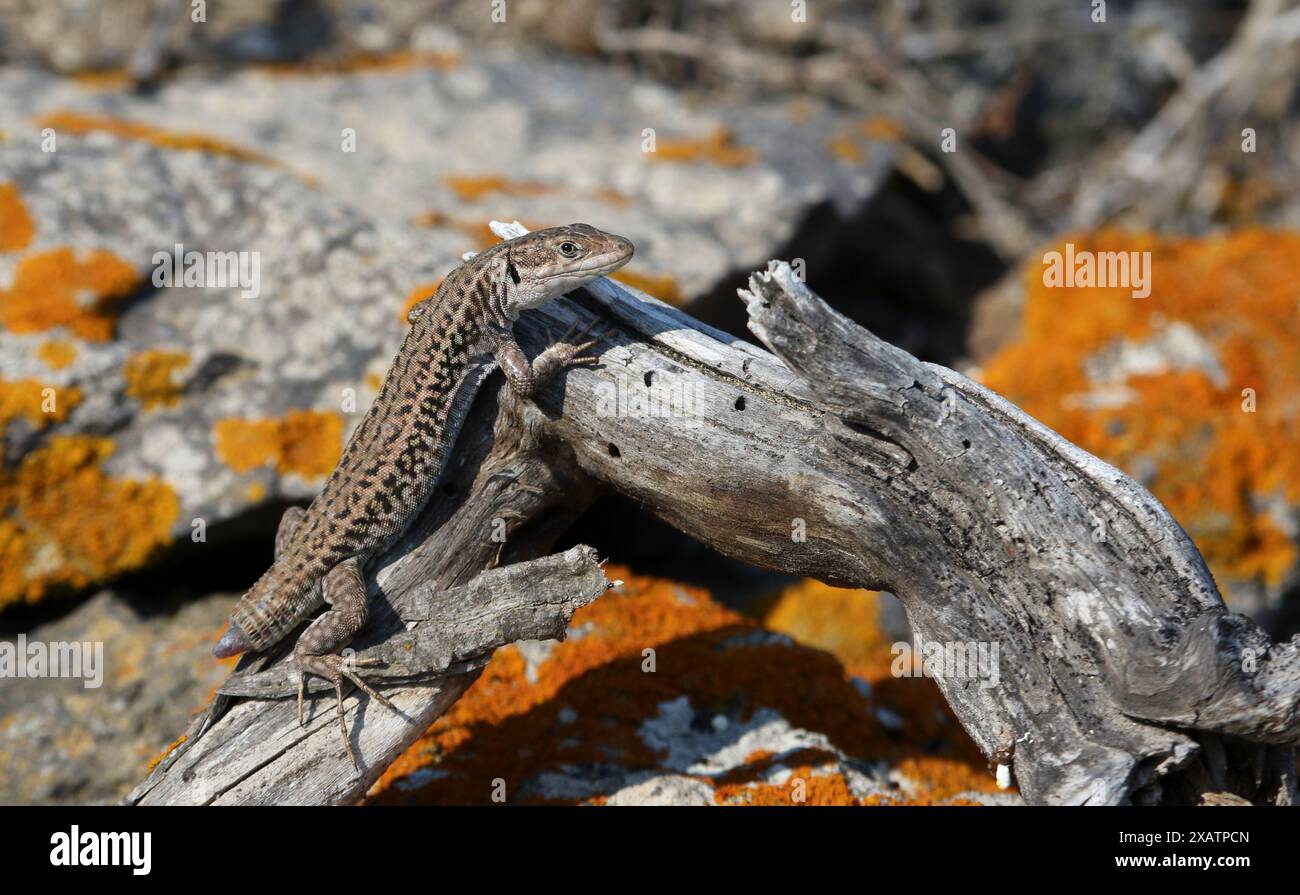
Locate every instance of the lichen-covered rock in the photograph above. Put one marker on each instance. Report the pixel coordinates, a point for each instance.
(64, 743)
(1190, 390)
(661, 695)
(173, 409)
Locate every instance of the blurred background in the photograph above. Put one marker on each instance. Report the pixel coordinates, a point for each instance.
(921, 159)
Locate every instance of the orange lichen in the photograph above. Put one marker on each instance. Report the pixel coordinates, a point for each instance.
(661, 286)
(846, 149)
(158, 759)
(588, 697)
(37, 402)
(417, 295)
(65, 523)
(936, 779)
(56, 354)
(718, 148)
(81, 123)
(255, 492)
(16, 227)
(611, 196)
(471, 188)
(853, 147)
(880, 128)
(104, 80)
(151, 377)
(55, 288)
(1214, 465)
(479, 231)
(365, 63)
(305, 442)
(805, 786)
(841, 621)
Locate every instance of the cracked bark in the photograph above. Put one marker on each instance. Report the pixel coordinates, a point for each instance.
(1122, 677)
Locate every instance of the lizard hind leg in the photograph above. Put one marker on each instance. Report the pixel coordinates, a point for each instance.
(345, 592)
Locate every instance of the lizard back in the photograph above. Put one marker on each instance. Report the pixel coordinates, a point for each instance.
(391, 463)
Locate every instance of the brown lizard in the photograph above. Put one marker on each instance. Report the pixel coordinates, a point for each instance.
(392, 462)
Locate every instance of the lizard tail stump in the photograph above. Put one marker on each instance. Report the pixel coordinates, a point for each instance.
(232, 643)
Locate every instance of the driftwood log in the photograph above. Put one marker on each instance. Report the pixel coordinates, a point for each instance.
(1121, 675)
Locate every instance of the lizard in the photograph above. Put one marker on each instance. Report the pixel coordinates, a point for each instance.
(391, 464)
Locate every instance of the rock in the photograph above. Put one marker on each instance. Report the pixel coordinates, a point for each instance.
(135, 414)
(666, 700)
(62, 742)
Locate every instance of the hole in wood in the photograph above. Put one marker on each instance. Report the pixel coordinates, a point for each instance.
(740, 403)
(613, 451)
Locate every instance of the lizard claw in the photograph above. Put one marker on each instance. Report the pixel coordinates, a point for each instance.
(335, 668)
(570, 354)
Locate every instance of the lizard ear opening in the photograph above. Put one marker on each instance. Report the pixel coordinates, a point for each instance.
(510, 269)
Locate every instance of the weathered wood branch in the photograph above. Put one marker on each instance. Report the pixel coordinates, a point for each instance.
(1119, 674)
(256, 754)
(1122, 675)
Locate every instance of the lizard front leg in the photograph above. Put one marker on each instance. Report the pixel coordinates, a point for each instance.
(345, 592)
(524, 377)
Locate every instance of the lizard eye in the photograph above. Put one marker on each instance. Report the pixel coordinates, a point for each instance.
(569, 249)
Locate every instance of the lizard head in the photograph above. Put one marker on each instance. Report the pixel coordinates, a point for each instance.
(548, 263)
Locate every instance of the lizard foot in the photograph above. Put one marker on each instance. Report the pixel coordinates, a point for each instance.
(569, 354)
(335, 668)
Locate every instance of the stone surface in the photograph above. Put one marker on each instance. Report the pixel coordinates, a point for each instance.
(64, 743)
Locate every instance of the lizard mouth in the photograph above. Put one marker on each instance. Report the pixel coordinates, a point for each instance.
(598, 267)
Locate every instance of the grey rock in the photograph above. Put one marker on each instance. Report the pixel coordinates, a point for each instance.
(62, 742)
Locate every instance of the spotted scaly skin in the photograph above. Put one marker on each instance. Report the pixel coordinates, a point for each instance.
(391, 464)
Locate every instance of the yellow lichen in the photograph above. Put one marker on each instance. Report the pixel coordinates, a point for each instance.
(853, 146)
(471, 188)
(366, 63)
(417, 295)
(37, 402)
(55, 288)
(151, 377)
(16, 227)
(611, 196)
(843, 622)
(305, 442)
(1212, 463)
(104, 80)
(81, 123)
(846, 149)
(158, 759)
(57, 354)
(661, 286)
(718, 148)
(879, 128)
(65, 523)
